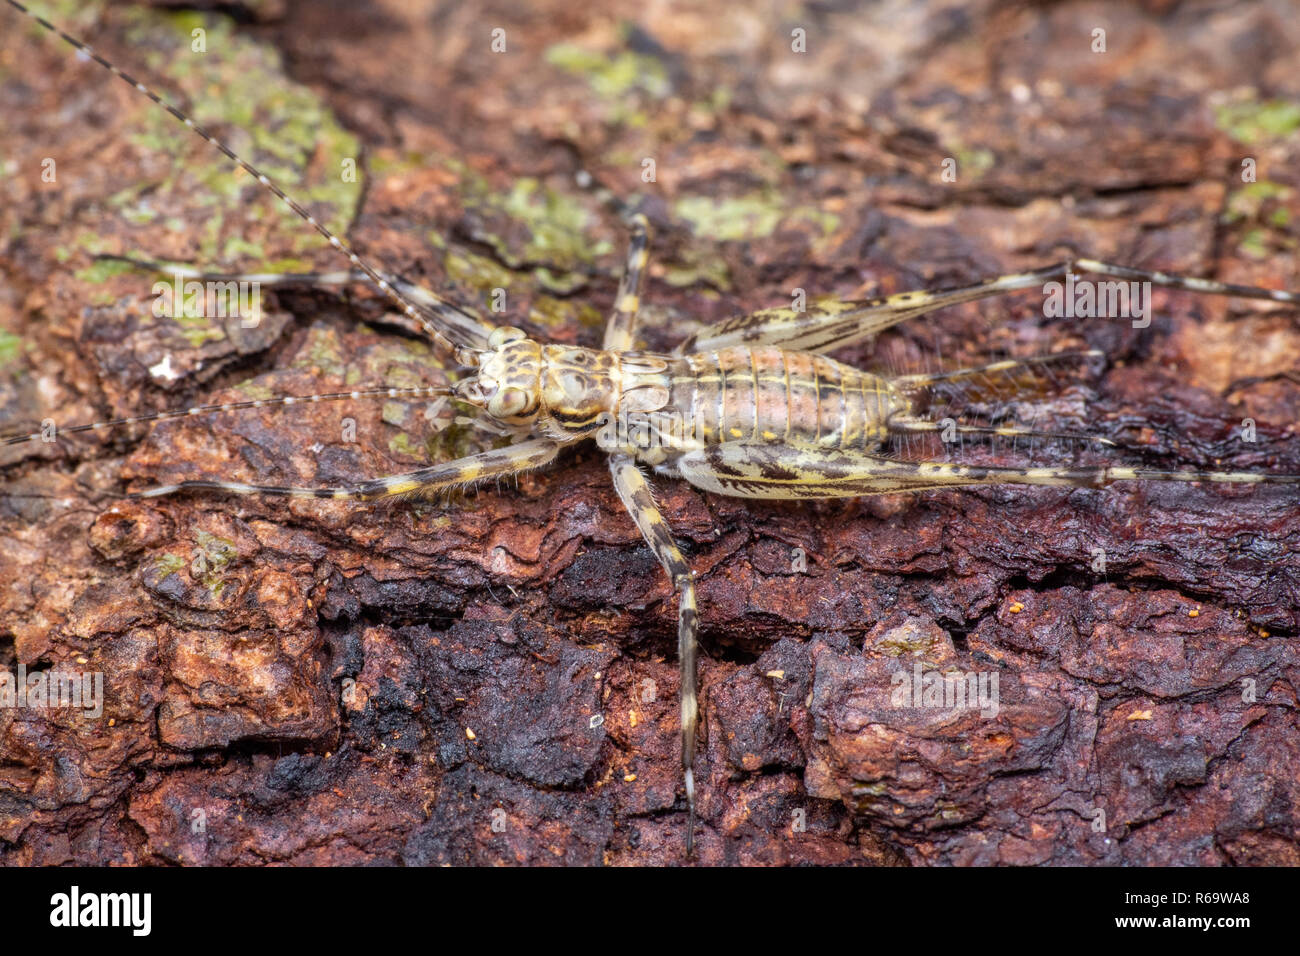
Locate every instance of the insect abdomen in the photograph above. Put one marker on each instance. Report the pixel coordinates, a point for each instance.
(774, 395)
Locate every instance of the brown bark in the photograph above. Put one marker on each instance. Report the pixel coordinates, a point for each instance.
(340, 684)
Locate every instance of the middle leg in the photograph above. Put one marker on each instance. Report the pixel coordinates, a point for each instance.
(637, 497)
(620, 332)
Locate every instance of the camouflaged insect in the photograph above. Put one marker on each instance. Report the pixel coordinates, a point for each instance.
(751, 407)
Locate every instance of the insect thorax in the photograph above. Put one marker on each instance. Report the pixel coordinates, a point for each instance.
(563, 391)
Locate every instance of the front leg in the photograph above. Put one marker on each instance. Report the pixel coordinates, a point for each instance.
(460, 473)
(636, 495)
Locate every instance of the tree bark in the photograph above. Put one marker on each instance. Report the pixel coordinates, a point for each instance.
(493, 679)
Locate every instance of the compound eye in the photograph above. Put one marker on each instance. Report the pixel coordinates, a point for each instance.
(503, 335)
(473, 390)
(508, 403)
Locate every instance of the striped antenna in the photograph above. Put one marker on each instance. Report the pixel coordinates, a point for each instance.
(465, 356)
(419, 391)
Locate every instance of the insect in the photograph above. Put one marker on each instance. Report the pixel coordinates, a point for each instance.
(751, 408)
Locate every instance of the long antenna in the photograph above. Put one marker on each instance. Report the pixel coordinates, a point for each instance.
(465, 356)
(415, 391)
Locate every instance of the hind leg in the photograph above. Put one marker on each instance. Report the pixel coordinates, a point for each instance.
(829, 325)
(756, 470)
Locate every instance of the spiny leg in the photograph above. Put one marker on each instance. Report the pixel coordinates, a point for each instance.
(638, 498)
(523, 456)
(830, 325)
(463, 326)
(758, 470)
(620, 332)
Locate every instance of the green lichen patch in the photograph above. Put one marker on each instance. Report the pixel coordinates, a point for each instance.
(727, 220)
(756, 215)
(402, 444)
(237, 247)
(1250, 202)
(212, 556)
(528, 226)
(1255, 244)
(322, 350)
(216, 552)
(168, 564)
(973, 162)
(550, 312)
(397, 414)
(618, 80)
(480, 273)
(455, 441)
(753, 216)
(1263, 208)
(1258, 121)
(101, 270)
(199, 329)
(521, 229)
(11, 347)
(77, 17)
(557, 225)
(696, 266)
(236, 88)
(254, 391)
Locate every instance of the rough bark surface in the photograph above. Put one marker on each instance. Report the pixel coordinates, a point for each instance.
(493, 680)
